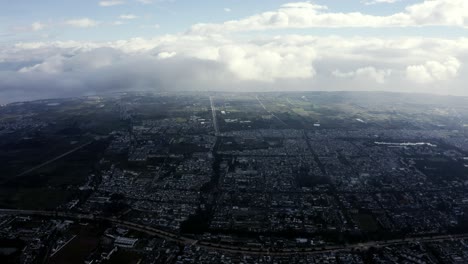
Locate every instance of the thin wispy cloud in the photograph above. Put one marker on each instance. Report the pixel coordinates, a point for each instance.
(82, 22)
(118, 23)
(33, 27)
(154, 26)
(128, 16)
(374, 2)
(147, 2)
(108, 3)
(37, 26)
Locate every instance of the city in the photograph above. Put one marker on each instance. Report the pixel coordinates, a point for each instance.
(302, 177)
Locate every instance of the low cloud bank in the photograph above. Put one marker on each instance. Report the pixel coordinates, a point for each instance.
(214, 62)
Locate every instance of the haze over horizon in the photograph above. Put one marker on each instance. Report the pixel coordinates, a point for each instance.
(72, 48)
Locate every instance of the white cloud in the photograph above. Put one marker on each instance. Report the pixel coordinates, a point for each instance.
(51, 65)
(108, 3)
(166, 55)
(82, 22)
(226, 9)
(309, 15)
(433, 71)
(289, 62)
(267, 63)
(90, 60)
(207, 58)
(366, 74)
(128, 16)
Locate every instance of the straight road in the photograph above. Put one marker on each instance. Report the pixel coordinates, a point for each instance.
(213, 111)
(273, 115)
(54, 159)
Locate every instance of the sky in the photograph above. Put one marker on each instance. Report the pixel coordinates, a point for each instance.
(63, 48)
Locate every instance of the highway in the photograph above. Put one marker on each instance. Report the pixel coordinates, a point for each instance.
(213, 111)
(233, 249)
